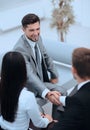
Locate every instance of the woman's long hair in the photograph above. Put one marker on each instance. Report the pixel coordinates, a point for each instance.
(13, 79)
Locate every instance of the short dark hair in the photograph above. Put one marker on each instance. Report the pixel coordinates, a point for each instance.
(30, 19)
(13, 79)
(81, 61)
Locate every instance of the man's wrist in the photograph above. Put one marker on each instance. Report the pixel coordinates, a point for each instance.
(45, 92)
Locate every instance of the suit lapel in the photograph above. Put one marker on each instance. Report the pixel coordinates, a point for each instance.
(32, 57)
(73, 91)
(33, 61)
(40, 48)
(29, 49)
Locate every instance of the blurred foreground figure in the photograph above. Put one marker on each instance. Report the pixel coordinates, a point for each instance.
(76, 114)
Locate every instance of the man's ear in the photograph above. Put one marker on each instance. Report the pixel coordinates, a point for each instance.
(74, 71)
(23, 29)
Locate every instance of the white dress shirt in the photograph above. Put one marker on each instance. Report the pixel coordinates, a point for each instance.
(27, 109)
(63, 98)
(32, 44)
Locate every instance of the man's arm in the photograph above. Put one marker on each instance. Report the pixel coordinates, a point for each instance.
(38, 85)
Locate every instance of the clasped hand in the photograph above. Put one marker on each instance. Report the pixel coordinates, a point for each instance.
(53, 96)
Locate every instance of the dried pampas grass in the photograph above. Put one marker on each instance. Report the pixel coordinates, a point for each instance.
(62, 16)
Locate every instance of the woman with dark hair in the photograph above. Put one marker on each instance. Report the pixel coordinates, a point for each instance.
(18, 105)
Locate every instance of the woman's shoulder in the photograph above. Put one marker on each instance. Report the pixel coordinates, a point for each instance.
(25, 90)
(25, 94)
(25, 99)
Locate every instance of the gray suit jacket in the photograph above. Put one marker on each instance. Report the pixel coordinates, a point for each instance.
(34, 83)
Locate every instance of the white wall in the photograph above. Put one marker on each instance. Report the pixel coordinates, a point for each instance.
(81, 10)
(7, 4)
(86, 13)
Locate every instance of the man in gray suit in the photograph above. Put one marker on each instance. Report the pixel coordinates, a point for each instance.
(38, 81)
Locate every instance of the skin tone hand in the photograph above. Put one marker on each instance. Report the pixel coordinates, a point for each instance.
(53, 81)
(48, 117)
(53, 96)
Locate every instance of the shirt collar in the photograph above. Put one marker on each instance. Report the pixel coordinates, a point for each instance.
(81, 84)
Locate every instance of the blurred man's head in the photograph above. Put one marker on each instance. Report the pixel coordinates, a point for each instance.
(81, 63)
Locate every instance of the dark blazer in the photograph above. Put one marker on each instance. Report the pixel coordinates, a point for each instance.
(77, 111)
(34, 82)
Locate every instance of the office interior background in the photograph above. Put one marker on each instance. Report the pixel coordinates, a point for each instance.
(11, 13)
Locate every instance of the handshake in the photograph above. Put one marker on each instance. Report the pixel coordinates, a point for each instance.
(53, 96)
